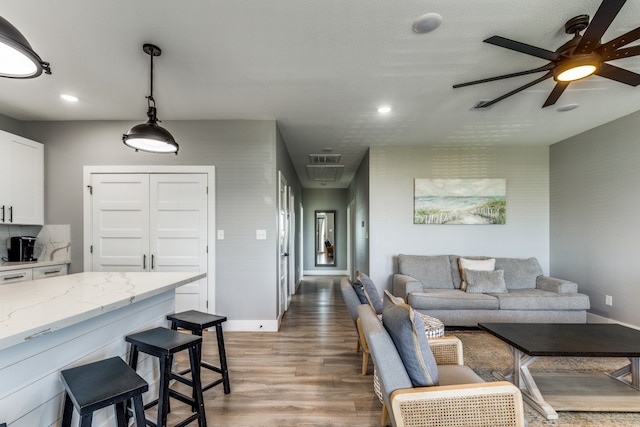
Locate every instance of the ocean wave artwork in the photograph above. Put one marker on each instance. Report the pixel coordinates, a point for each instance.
(460, 201)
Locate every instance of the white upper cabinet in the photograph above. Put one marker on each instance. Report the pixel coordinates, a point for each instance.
(21, 180)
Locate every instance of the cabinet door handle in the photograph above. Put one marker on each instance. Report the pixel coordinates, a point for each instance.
(144, 261)
(152, 261)
(2, 213)
(19, 276)
(52, 272)
(10, 213)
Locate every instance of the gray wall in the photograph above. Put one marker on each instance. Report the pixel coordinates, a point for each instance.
(324, 200)
(358, 192)
(594, 212)
(244, 153)
(392, 232)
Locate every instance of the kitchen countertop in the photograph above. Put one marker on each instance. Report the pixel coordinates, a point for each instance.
(8, 266)
(34, 308)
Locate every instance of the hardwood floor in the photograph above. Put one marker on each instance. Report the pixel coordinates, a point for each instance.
(307, 374)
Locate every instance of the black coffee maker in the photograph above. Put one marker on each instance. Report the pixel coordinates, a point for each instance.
(20, 249)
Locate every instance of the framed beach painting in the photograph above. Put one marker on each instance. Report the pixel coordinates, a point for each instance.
(460, 201)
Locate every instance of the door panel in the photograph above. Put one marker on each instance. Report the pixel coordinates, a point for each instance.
(283, 243)
(178, 232)
(120, 206)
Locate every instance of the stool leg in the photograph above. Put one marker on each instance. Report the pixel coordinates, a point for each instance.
(133, 356)
(67, 412)
(163, 398)
(86, 419)
(138, 407)
(195, 357)
(133, 362)
(120, 414)
(223, 359)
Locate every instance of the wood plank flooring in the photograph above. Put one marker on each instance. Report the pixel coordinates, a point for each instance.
(307, 374)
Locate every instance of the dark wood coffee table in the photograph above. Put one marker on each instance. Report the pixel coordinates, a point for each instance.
(616, 391)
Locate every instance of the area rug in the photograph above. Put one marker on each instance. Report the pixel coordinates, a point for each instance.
(486, 354)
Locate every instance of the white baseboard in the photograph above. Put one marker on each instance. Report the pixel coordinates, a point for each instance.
(251, 326)
(325, 272)
(594, 318)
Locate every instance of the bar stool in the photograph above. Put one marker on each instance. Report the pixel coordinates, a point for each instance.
(100, 384)
(196, 322)
(163, 343)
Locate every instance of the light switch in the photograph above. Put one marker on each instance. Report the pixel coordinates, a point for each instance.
(220, 234)
(261, 234)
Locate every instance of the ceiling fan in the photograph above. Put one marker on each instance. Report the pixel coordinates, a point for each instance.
(579, 58)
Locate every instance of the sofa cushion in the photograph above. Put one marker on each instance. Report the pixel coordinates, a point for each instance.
(537, 299)
(359, 288)
(487, 264)
(457, 374)
(451, 299)
(371, 293)
(519, 273)
(434, 272)
(485, 282)
(407, 332)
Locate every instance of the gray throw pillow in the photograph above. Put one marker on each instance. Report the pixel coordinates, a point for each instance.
(485, 282)
(407, 332)
(371, 292)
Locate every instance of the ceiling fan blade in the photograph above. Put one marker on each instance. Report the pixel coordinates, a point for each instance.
(606, 13)
(609, 47)
(513, 92)
(619, 74)
(555, 93)
(522, 48)
(506, 76)
(625, 52)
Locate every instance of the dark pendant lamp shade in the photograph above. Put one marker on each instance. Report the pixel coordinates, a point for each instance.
(17, 58)
(150, 136)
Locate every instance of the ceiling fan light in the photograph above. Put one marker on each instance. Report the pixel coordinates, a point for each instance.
(17, 58)
(576, 68)
(576, 73)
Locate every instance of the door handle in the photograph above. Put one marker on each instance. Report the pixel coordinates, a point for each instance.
(144, 261)
(285, 254)
(10, 213)
(152, 261)
(2, 213)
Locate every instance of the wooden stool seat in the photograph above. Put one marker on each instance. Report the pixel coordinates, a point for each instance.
(163, 343)
(100, 384)
(197, 322)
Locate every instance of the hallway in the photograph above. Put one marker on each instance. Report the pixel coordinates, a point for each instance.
(308, 374)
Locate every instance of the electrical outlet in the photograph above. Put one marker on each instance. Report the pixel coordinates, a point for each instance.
(608, 300)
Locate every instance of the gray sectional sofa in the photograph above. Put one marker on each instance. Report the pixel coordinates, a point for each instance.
(432, 285)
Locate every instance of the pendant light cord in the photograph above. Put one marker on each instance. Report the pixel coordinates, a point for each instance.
(150, 101)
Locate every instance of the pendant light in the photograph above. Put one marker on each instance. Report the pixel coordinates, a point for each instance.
(17, 58)
(150, 136)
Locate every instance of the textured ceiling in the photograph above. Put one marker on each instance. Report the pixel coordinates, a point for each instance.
(320, 68)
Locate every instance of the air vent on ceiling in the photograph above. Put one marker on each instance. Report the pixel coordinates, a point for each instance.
(324, 159)
(324, 172)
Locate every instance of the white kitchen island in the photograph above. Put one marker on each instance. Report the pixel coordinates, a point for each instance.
(51, 324)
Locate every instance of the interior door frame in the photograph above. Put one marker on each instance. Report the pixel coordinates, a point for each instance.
(209, 170)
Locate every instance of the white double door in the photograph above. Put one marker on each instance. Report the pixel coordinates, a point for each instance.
(152, 222)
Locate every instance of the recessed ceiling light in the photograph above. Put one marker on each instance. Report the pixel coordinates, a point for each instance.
(69, 98)
(427, 23)
(568, 107)
(384, 109)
